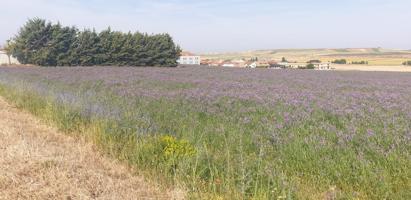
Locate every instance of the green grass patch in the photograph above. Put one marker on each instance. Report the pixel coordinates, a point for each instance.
(232, 149)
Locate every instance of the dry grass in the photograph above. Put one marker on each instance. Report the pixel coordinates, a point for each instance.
(375, 56)
(38, 162)
(381, 68)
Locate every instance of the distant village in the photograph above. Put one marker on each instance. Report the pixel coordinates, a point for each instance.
(188, 58)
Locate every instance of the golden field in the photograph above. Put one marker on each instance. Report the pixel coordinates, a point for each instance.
(374, 56)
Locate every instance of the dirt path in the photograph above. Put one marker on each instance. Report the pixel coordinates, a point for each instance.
(38, 162)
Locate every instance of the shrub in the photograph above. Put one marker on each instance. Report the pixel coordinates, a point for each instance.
(407, 63)
(359, 62)
(310, 66)
(314, 61)
(340, 61)
(176, 149)
(166, 151)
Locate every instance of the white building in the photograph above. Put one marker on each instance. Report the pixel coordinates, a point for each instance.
(6, 60)
(252, 65)
(292, 65)
(228, 65)
(322, 66)
(188, 58)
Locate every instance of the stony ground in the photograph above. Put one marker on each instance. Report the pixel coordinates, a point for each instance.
(38, 162)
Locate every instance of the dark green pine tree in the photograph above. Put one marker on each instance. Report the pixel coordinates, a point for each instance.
(127, 51)
(105, 56)
(28, 45)
(44, 44)
(62, 41)
(56, 51)
(85, 49)
(142, 50)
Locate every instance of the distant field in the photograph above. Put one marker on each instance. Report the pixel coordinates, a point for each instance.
(381, 68)
(375, 56)
(226, 133)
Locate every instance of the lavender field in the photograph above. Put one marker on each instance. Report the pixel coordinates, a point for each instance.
(237, 133)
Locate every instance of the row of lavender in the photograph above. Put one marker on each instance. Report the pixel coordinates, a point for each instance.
(340, 92)
(351, 130)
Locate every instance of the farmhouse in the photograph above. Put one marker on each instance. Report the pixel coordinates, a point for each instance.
(275, 65)
(322, 66)
(291, 65)
(6, 60)
(251, 65)
(187, 58)
(263, 64)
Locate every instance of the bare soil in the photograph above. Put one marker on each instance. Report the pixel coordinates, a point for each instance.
(39, 162)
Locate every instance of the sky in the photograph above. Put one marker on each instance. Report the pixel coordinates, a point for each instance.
(207, 26)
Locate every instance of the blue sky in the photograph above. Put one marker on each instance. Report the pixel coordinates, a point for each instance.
(231, 25)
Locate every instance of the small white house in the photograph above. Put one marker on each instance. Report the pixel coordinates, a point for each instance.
(187, 58)
(322, 66)
(6, 60)
(228, 65)
(252, 65)
(292, 65)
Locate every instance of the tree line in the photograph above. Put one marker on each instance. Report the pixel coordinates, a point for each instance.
(359, 62)
(42, 43)
(340, 61)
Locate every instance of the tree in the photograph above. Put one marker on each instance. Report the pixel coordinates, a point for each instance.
(340, 61)
(42, 43)
(85, 48)
(8, 49)
(314, 61)
(106, 43)
(62, 40)
(284, 60)
(27, 46)
(254, 59)
(359, 62)
(310, 66)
